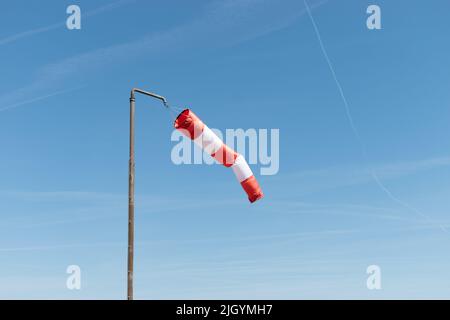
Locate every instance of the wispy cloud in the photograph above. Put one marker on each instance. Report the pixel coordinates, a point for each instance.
(37, 99)
(343, 176)
(32, 32)
(244, 243)
(82, 207)
(61, 246)
(222, 23)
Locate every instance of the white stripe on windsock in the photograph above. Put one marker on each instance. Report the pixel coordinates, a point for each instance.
(208, 141)
(241, 169)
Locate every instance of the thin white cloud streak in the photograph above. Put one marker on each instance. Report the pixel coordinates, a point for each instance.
(40, 98)
(61, 195)
(62, 246)
(115, 199)
(313, 235)
(305, 182)
(289, 207)
(29, 33)
(112, 204)
(346, 176)
(366, 214)
(223, 23)
(83, 207)
(303, 235)
(88, 202)
(404, 204)
(54, 26)
(376, 179)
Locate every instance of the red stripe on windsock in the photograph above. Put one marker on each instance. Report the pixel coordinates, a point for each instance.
(188, 122)
(252, 188)
(225, 155)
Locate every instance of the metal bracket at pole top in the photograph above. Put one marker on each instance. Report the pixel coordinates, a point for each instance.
(150, 94)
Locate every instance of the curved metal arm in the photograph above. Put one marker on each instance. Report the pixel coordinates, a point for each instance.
(150, 94)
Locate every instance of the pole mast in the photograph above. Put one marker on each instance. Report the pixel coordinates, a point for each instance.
(131, 187)
(131, 202)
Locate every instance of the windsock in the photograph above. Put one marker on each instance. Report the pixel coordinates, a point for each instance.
(191, 126)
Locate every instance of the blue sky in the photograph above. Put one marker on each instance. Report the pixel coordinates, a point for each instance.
(343, 199)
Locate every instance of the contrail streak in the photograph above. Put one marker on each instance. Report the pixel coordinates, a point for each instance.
(338, 84)
(353, 127)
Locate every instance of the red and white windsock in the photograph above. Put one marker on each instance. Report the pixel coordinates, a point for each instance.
(191, 126)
